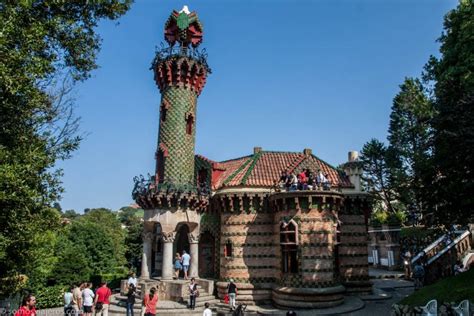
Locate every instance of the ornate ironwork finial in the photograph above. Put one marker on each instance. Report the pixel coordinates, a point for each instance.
(183, 27)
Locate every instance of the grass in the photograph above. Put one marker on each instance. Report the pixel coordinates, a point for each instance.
(452, 289)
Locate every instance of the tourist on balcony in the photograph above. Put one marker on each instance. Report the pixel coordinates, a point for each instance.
(283, 182)
(311, 181)
(185, 261)
(302, 180)
(193, 293)
(177, 265)
(293, 182)
(150, 301)
(326, 183)
(232, 292)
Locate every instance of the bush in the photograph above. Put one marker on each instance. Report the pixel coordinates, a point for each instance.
(379, 218)
(112, 279)
(48, 297)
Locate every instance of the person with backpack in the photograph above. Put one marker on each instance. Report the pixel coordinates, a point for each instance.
(150, 301)
(102, 296)
(232, 292)
(130, 299)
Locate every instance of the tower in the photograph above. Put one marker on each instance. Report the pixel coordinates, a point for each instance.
(180, 74)
(171, 199)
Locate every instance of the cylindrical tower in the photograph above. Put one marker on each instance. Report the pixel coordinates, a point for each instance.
(180, 74)
(171, 199)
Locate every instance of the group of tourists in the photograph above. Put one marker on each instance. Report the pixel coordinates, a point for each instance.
(181, 263)
(305, 180)
(80, 299)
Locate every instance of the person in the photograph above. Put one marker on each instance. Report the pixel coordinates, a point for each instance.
(130, 299)
(132, 279)
(302, 184)
(102, 302)
(76, 300)
(207, 311)
(193, 292)
(326, 182)
(232, 292)
(418, 275)
(177, 265)
(185, 260)
(407, 263)
(87, 299)
(68, 301)
(293, 181)
(27, 306)
(282, 183)
(150, 301)
(310, 178)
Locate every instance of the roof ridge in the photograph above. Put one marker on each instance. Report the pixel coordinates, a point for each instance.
(233, 159)
(236, 172)
(298, 162)
(314, 156)
(256, 157)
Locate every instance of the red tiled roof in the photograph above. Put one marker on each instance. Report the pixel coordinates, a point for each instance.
(264, 168)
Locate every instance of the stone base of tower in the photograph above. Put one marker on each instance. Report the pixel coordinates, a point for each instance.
(248, 293)
(287, 297)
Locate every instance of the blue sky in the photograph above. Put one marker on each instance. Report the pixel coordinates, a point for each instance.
(286, 75)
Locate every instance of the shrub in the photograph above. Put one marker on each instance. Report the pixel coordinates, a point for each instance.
(48, 297)
(379, 218)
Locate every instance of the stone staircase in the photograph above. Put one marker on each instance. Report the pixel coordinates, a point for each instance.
(165, 307)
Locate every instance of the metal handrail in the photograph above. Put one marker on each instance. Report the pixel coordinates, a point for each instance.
(447, 248)
(165, 52)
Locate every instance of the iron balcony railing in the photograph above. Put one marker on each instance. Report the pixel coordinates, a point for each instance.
(163, 53)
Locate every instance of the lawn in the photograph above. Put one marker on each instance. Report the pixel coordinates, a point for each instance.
(452, 289)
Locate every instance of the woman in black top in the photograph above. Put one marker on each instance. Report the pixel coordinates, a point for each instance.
(130, 299)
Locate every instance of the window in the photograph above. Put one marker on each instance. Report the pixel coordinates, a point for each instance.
(289, 247)
(160, 168)
(189, 125)
(163, 111)
(228, 249)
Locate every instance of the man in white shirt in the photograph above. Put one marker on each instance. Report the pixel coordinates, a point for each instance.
(132, 280)
(186, 259)
(207, 311)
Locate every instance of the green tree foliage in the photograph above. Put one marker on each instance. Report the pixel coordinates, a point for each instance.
(127, 214)
(93, 244)
(452, 75)
(41, 42)
(377, 162)
(409, 143)
(134, 243)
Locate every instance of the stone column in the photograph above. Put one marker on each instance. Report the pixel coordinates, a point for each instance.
(146, 256)
(167, 265)
(194, 253)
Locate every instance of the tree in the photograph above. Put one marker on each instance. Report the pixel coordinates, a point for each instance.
(377, 176)
(44, 46)
(452, 75)
(134, 243)
(70, 214)
(409, 143)
(128, 214)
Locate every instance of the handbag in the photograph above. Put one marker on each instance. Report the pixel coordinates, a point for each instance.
(99, 306)
(226, 298)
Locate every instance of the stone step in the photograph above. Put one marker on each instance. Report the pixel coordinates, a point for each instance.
(164, 308)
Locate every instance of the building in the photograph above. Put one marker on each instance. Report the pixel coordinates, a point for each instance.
(301, 248)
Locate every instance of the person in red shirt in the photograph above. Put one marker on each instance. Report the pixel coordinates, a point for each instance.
(149, 302)
(102, 302)
(27, 306)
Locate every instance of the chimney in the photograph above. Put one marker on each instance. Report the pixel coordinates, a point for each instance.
(353, 156)
(308, 151)
(256, 150)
